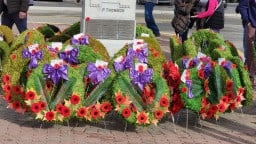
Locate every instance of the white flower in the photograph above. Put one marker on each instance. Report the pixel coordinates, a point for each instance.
(100, 63)
(141, 67)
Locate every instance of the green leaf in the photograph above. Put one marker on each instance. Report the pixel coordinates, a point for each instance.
(65, 91)
(161, 88)
(127, 88)
(41, 91)
(98, 92)
(216, 84)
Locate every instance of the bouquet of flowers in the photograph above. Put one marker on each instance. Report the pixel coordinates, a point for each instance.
(141, 95)
(215, 47)
(61, 83)
(210, 88)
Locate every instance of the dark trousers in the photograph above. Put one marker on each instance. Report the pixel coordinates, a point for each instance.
(183, 36)
(10, 19)
(149, 18)
(249, 55)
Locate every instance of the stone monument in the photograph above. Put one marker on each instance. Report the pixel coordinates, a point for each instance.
(110, 21)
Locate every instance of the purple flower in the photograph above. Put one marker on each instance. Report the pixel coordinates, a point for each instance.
(34, 54)
(98, 72)
(227, 65)
(122, 63)
(80, 39)
(189, 86)
(139, 51)
(55, 72)
(141, 75)
(70, 55)
(207, 70)
(184, 63)
(55, 47)
(196, 61)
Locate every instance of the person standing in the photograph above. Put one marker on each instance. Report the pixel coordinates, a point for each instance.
(14, 12)
(247, 9)
(181, 19)
(149, 18)
(210, 15)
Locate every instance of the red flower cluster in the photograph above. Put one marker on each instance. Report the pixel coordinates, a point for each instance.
(228, 102)
(148, 94)
(172, 76)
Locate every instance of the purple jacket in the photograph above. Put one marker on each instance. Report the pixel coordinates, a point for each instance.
(247, 9)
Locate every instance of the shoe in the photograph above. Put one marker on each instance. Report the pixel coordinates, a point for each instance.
(157, 35)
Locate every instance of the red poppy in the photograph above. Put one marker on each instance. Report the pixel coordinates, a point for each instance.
(59, 107)
(234, 66)
(238, 99)
(147, 91)
(229, 85)
(176, 107)
(6, 78)
(209, 114)
(81, 112)
(200, 73)
(49, 115)
(13, 56)
(241, 91)
(183, 89)
(49, 85)
(16, 105)
(75, 99)
(126, 112)
(7, 88)
(225, 99)
(171, 74)
(36, 107)
(87, 19)
(221, 107)
(142, 118)
(230, 95)
(164, 102)
(202, 111)
(30, 95)
(158, 114)
(120, 99)
(7, 97)
(16, 89)
(204, 102)
(65, 111)
(213, 108)
(175, 97)
(95, 113)
(105, 107)
(23, 95)
(155, 54)
(132, 107)
(42, 105)
(232, 106)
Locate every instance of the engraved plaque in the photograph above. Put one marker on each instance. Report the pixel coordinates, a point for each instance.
(110, 21)
(111, 29)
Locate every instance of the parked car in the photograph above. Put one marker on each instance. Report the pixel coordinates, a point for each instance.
(169, 2)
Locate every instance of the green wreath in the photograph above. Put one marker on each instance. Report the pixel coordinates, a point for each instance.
(221, 91)
(129, 104)
(44, 98)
